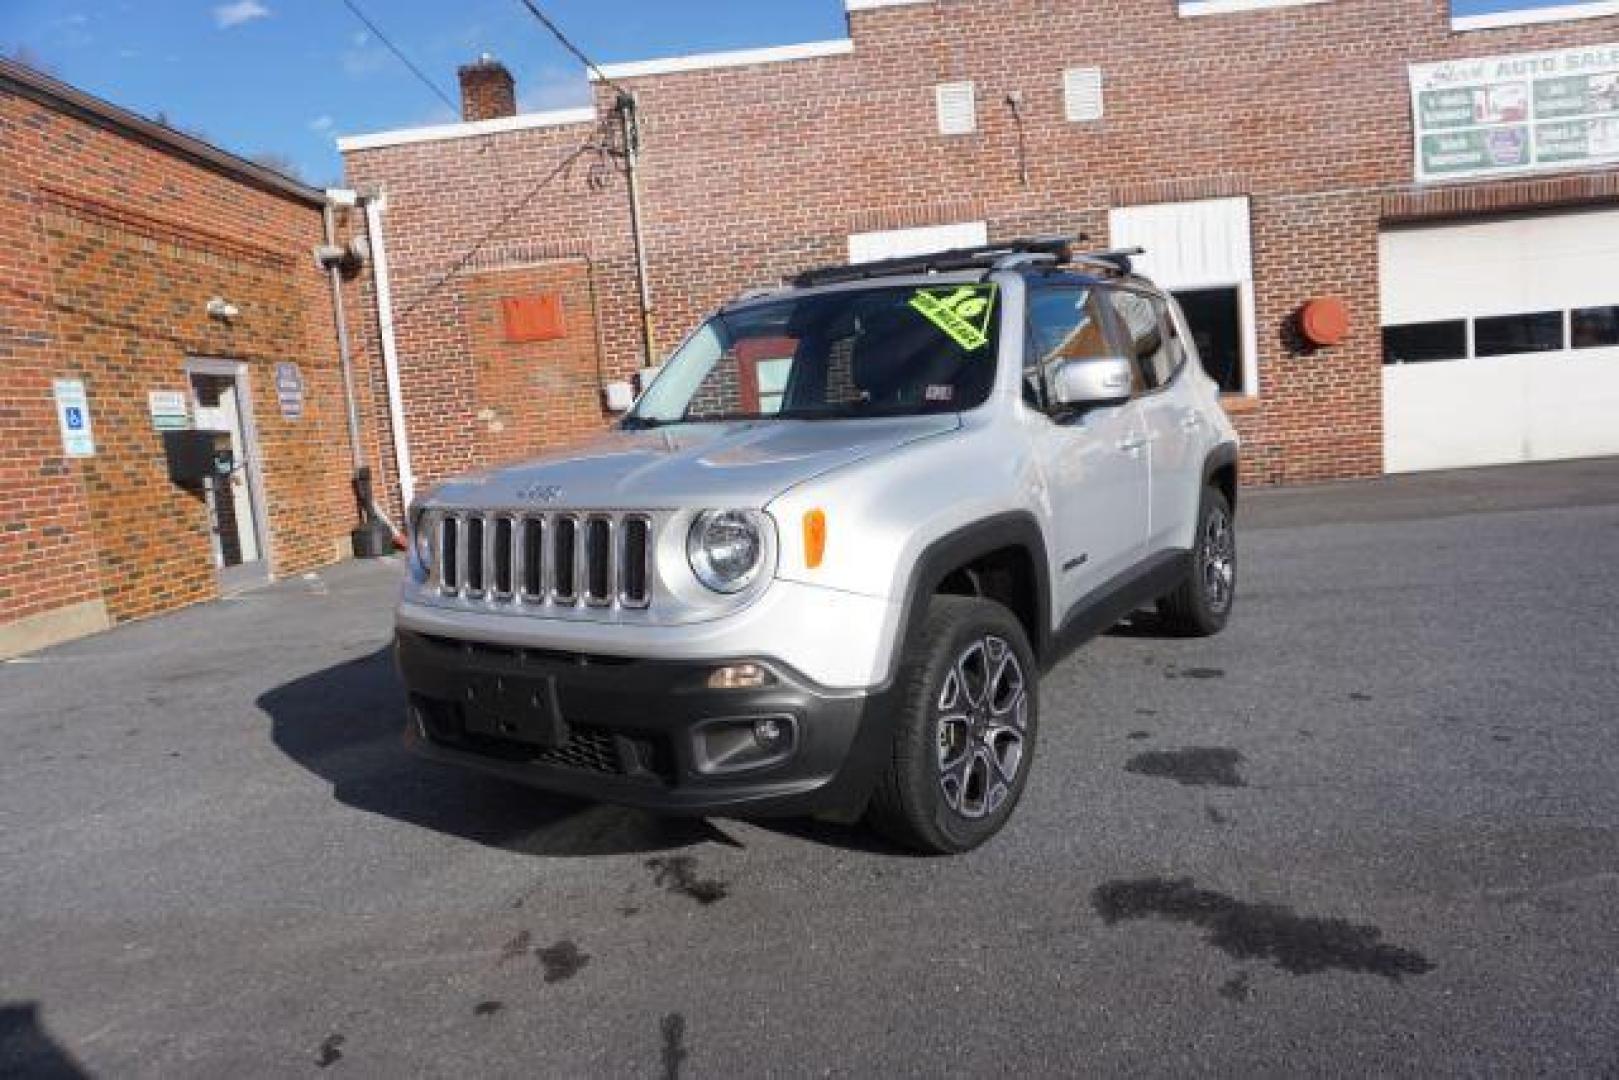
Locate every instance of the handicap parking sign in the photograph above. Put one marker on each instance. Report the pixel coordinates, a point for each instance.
(73, 416)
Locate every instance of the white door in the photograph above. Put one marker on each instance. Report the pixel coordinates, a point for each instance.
(219, 407)
(1501, 341)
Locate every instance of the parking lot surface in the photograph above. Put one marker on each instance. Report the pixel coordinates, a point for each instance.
(1373, 828)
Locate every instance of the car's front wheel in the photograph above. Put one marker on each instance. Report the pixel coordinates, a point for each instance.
(965, 737)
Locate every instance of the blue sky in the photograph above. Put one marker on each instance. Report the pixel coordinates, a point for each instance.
(287, 76)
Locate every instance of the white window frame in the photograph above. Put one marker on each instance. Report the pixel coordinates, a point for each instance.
(1241, 278)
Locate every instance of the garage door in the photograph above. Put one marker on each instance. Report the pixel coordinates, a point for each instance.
(1501, 341)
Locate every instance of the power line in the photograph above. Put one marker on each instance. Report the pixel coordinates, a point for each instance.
(594, 144)
(403, 59)
(556, 32)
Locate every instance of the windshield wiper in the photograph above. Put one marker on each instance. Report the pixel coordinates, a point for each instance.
(642, 423)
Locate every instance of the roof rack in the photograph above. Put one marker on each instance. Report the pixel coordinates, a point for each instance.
(1050, 249)
(1113, 261)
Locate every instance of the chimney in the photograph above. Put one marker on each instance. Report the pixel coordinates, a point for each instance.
(487, 90)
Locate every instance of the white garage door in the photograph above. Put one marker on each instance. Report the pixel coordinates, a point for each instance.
(1501, 341)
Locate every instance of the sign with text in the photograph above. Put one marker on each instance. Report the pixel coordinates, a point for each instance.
(289, 388)
(73, 417)
(169, 409)
(1524, 113)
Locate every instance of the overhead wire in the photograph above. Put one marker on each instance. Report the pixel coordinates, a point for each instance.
(601, 143)
(562, 39)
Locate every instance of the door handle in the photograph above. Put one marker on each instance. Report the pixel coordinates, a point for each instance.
(1132, 445)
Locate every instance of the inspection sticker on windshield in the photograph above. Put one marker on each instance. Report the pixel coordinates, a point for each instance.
(963, 312)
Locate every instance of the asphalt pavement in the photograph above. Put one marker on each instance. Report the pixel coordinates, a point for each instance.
(1373, 828)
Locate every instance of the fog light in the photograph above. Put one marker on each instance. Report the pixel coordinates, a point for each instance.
(768, 733)
(738, 677)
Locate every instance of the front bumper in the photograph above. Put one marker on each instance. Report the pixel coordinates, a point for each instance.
(640, 732)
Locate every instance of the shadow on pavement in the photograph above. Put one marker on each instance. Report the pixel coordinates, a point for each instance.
(343, 724)
(27, 1049)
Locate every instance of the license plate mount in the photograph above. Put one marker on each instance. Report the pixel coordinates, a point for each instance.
(517, 709)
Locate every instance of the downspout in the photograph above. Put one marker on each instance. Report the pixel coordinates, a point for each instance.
(632, 166)
(373, 534)
(390, 349)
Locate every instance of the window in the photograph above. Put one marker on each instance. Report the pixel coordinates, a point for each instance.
(881, 351)
(1418, 343)
(1507, 335)
(1063, 325)
(1153, 345)
(1082, 94)
(1202, 253)
(958, 108)
(1214, 317)
(1595, 327)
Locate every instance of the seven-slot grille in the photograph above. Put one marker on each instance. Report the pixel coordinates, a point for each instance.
(597, 560)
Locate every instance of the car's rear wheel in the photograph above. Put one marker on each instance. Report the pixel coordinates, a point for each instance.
(965, 737)
(1201, 604)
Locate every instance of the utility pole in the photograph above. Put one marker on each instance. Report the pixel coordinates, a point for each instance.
(629, 119)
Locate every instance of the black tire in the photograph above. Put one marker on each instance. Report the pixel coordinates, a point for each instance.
(1201, 604)
(943, 743)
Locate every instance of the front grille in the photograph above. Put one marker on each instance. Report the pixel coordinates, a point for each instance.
(597, 560)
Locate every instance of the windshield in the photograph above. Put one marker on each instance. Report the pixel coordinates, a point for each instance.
(866, 352)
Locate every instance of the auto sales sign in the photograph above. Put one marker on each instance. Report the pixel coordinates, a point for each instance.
(1532, 112)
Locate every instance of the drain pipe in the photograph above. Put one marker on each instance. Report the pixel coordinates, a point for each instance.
(373, 536)
(374, 206)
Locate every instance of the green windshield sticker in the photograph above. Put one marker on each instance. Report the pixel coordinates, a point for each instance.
(962, 312)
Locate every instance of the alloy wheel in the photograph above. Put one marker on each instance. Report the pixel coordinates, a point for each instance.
(983, 712)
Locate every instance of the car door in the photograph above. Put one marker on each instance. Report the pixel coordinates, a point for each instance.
(1175, 424)
(1095, 461)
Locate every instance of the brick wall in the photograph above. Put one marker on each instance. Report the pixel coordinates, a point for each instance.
(754, 172)
(110, 249)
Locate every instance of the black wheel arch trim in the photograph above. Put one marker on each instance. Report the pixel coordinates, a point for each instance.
(948, 553)
(1225, 455)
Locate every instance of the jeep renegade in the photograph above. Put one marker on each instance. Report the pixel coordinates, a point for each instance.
(820, 565)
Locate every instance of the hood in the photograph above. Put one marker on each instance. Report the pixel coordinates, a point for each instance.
(688, 465)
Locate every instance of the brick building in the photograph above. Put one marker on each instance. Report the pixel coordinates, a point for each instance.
(1266, 152)
(154, 282)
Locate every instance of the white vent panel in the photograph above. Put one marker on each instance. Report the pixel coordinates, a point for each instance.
(958, 108)
(1082, 94)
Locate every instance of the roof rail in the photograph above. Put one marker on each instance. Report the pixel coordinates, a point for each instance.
(1113, 261)
(1052, 249)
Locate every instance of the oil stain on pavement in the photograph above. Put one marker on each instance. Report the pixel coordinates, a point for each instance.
(562, 961)
(673, 1028)
(678, 874)
(331, 1051)
(1239, 988)
(488, 1008)
(1300, 945)
(1193, 767)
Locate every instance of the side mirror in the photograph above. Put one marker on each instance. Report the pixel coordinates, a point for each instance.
(1078, 384)
(619, 396)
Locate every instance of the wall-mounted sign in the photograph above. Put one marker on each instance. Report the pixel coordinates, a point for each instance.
(170, 410)
(1504, 114)
(289, 388)
(73, 416)
(533, 318)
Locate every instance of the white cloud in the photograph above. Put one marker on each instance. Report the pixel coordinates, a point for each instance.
(320, 125)
(238, 12)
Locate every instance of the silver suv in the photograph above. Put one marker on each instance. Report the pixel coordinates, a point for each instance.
(820, 566)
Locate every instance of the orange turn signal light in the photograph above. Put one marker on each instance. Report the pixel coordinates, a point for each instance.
(814, 538)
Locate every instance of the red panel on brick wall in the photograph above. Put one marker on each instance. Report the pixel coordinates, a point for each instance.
(533, 318)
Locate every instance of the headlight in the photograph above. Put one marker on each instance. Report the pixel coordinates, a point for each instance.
(726, 549)
(422, 538)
